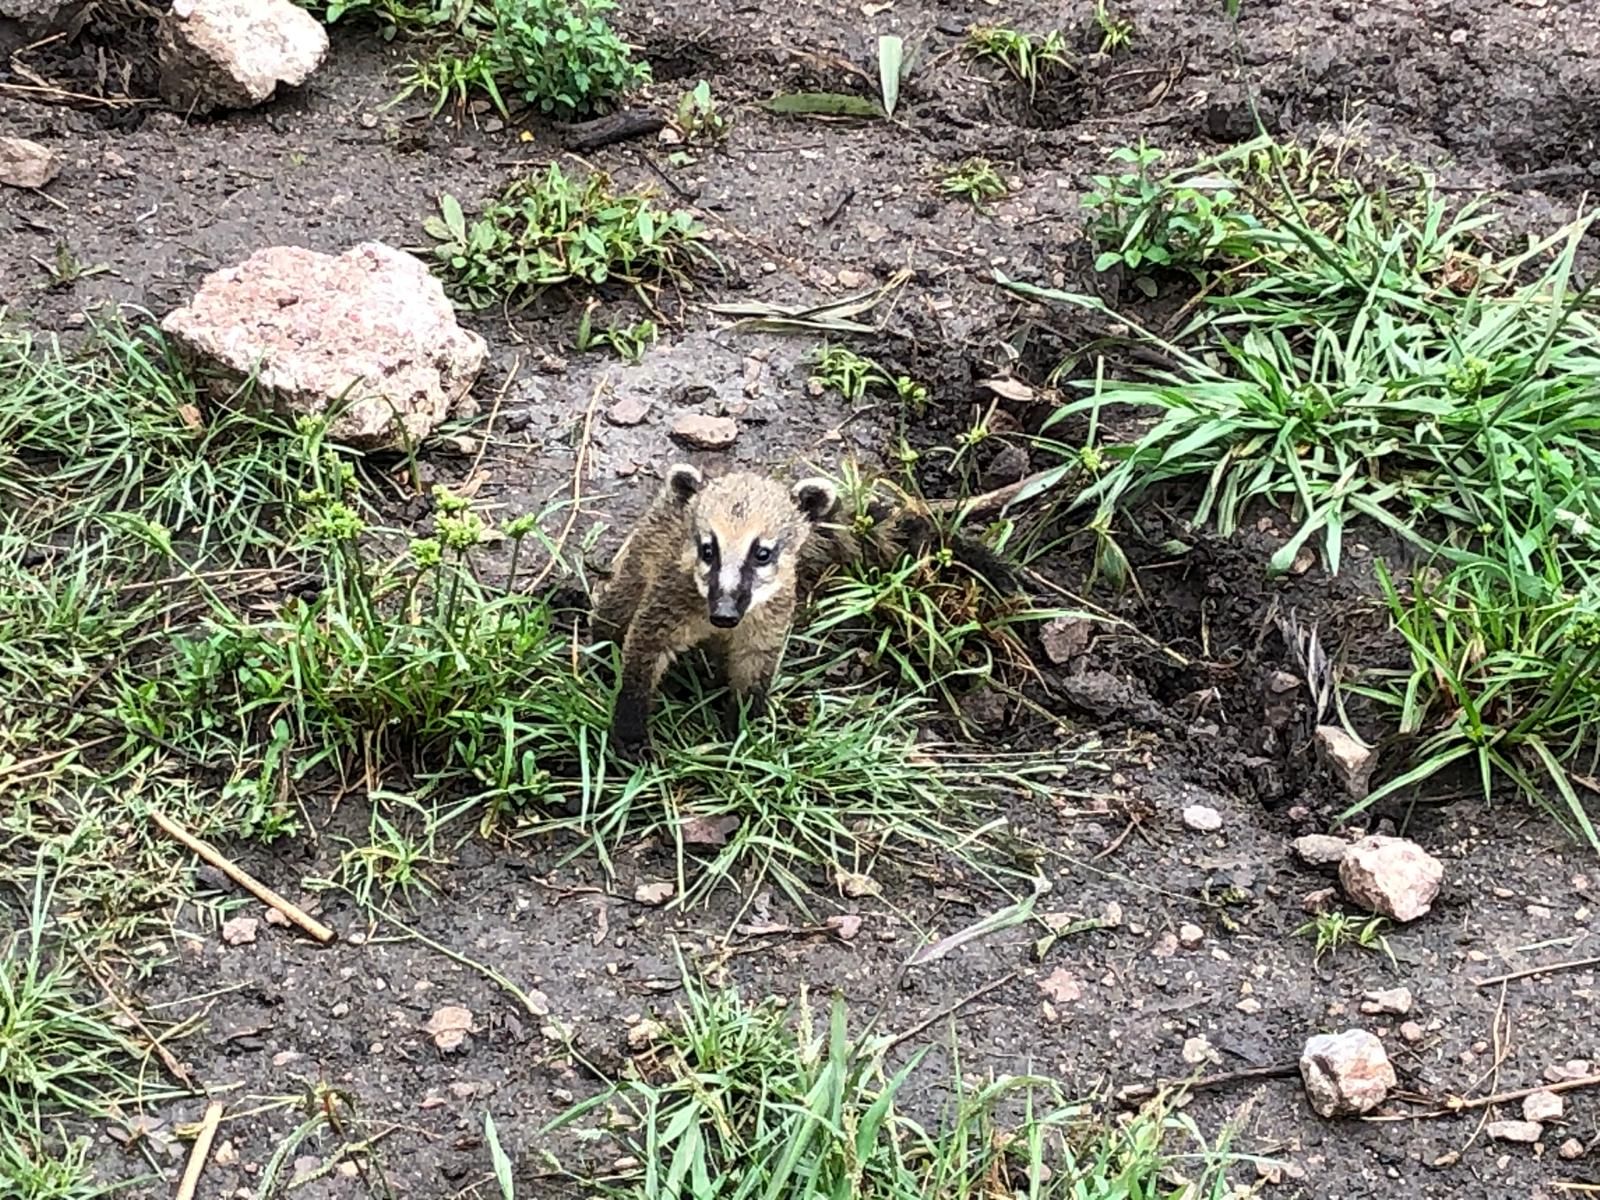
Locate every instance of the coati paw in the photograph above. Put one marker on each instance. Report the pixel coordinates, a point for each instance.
(630, 734)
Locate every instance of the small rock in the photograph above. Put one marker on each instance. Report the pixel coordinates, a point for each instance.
(855, 886)
(1064, 638)
(1197, 1050)
(1011, 464)
(240, 931)
(341, 1009)
(1570, 1149)
(705, 433)
(284, 1057)
(1166, 946)
(1515, 1131)
(1320, 901)
(1062, 986)
(367, 334)
(852, 278)
(1249, 1006)
(1345, 1074)
(644, 1034)
(1387, 1000)
(1412, 1032)
(844, 926)
(1191, 937)
(1348, 759)
(1543, 1106)
(630, 410)
(25, 164)
(225, 1155)
(1282, 682)
(1321, 849)
(1202, 818)
(654, 894)
(449, 1027)
(217, 54)
(1393, 877)
(708, 831)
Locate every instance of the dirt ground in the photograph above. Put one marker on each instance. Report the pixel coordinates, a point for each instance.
(1493, 94)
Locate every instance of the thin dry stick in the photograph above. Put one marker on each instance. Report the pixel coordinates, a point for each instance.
(236, 873)
(201, 1151)
(1501, 1031)
(950, 1010)
(174, 1068)
(988, 503)
(1572, 964)
(1139, 1093)
(1455, 1104)
(494, 411)
(577, 487)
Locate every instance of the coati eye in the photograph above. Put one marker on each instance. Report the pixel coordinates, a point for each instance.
(762, 555)
(708, 552)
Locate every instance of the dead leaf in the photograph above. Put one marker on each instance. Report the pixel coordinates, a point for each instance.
(708, 831)
(449, 1026)
(654, 894)
(189, 414)
(1062, 986)
(1009, 389)
(855, 886)
(845, 927)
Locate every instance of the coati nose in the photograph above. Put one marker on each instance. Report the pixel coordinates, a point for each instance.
(725, 613)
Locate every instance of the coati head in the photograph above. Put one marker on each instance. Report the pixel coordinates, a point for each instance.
(742, 535)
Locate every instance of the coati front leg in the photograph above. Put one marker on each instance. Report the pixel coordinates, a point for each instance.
(752, 662)
(645, 659)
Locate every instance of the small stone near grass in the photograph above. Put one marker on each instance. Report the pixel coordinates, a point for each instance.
(240, 931)
(654, 894)
(1350, 761)
(630, 410)
(1197, 1050)
(853, 885)
(1202, 818)
(1321, 849)
(845, 926)
(1393, 877)
(1543, 1106)
(1412, 1032)
(1064, 638)
(1062, 986)
(1345, 1074)
(25, 164)
(1320, 901)
(218, 54)
(1515, 1131)
(705, 433)
(1191, 937)
(1387, 1000)
(449, 1026)
(1571, 1149)
(367, 334)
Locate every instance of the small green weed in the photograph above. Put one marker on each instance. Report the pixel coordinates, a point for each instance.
(974, 180)
(629, 342)
(1333, 931)
(854, 376)
(1115, 34)
(562, 54)
(734, 1099)
(551, 229)
(1028, 57)
(1187, 222)
(698, 120)
(65, 268)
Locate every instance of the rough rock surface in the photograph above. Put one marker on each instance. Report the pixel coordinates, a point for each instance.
(368, 336)
(705, 433)
(1391, 876)
(23, 21)
(1350, 761)
(218, 54)
(25, 164)
(1345, 1074)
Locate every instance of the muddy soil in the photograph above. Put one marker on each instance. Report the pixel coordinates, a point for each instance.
(1491, 94)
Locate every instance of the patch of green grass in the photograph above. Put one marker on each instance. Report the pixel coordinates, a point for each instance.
(395, 17)
(854, 376)
(628, 342)
(1029, 58)
(1333, 931)
(561, 57)
(552, 229)
(974, 180)
(735, 1099)
(1367, 353)
(1190, 221)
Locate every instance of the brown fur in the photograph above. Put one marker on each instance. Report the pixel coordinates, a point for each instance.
(656, 601)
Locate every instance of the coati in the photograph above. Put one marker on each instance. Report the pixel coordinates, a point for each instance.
(723, 561)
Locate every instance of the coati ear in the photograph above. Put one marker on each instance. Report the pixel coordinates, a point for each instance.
(816, 497)
(683, 481)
